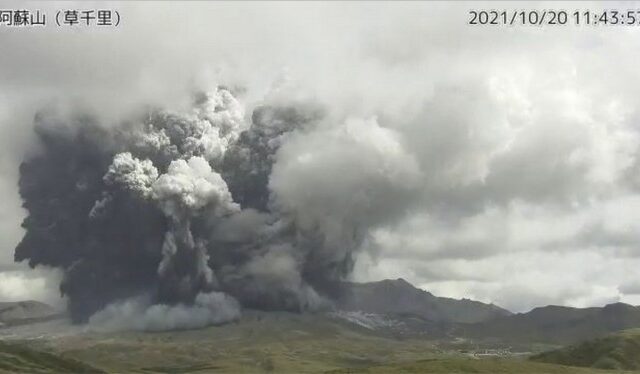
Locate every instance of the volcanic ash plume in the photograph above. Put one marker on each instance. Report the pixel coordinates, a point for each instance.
(176, 220)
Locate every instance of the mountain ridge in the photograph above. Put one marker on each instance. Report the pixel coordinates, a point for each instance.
(559, 324)
(27, 311)
(397, 296)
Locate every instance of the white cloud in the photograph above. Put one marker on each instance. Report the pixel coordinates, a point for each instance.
(18, 284)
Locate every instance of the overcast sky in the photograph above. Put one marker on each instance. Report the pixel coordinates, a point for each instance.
(525, 140)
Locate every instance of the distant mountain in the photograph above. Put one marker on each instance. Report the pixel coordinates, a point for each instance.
(619, 351)
(12, 313)
(402, 298)
(557, 324)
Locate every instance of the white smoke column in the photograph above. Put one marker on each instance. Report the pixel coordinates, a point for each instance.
(330, 184)
(342, 180)
(206, 130)
(188, 189)
(183, 192)
(189, 186)
(132, 174)
(224, 113)
(279, 268)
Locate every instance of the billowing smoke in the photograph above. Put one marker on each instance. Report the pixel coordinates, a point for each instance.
(176, 219)
(138, 314)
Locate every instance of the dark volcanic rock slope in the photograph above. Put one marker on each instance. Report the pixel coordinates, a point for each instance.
(401, 298)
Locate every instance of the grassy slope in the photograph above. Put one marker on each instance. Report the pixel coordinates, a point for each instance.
(281, 343)
(619, 351)
(17, 358)
(469, 365)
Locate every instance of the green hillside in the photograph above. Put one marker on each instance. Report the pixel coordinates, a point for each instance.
(619, 351)
(556, 324)
(260, 343)
(469, 365)
(18, 358)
